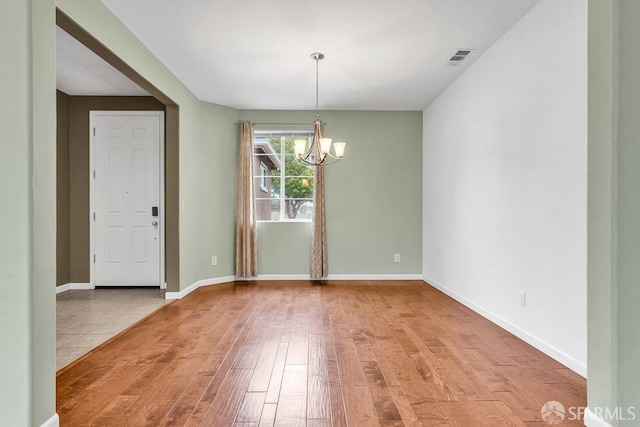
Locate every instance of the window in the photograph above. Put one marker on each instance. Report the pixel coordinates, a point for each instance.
(284, 187)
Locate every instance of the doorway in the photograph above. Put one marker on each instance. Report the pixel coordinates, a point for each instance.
(127, 198)
(87, 317)
(74, 251)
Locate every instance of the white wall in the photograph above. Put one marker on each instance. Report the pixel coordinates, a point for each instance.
(505, 182)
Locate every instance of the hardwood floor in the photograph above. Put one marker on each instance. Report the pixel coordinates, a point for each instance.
(300, 353)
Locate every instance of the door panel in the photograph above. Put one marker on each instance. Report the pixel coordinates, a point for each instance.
(126, 160)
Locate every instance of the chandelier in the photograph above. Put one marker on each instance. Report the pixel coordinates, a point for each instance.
(319, 151)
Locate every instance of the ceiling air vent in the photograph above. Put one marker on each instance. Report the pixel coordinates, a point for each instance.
(459, 56)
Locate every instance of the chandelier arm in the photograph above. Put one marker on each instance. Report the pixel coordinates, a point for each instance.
(306, 162)
(334, 157)
(312, 146)
(333, 160)
(324, 161)
(303, 161)
(307, 153)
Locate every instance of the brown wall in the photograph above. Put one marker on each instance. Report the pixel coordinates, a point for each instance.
(62, 206)
(76, 178)
(171, 197)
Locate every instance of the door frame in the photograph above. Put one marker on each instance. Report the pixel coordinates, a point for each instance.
(92, 238)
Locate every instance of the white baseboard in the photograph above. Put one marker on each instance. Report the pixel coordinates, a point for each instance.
(593, 420)
(541, 345)
(227, 279)
(84, 286)
(54, 421)
(274, 277)
(206, 282)
(338, 277)
(63, 288)
(69, 286)
(374, 277)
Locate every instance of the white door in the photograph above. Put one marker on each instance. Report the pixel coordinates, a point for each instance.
(126, 196)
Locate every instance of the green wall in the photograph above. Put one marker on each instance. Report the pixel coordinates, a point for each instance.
(15, 252)
(602, 121)
(27, 184)
(285, 248)
(373, 203)
(614, 204)
(628, 247)
(210, 191)
(43, 225)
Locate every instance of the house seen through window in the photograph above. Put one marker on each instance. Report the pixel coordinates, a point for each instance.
(264, 174)
(283, 187)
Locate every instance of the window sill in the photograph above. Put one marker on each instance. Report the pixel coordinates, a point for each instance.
(289, 221)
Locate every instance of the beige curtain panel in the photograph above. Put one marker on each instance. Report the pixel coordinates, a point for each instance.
(246, 228)
(319, 266)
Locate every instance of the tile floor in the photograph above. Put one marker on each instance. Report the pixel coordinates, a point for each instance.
(87, 318)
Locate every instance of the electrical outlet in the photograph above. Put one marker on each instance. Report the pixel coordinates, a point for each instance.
(182, 207)
(523, 298)
(396, 257)
(214, 260)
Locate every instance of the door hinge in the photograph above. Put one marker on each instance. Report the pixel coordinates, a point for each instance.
(94, 258)
(94, 174)
(94, 216)
(94, 131)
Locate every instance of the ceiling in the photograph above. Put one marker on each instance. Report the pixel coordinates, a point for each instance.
(254, 54)
(79, 71)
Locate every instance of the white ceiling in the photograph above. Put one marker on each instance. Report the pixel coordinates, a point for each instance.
(79, 71)
(380, 54)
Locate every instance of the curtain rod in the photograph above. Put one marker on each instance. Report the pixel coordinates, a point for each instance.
(282, 124)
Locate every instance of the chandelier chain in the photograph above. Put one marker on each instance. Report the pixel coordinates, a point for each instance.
(317, 86)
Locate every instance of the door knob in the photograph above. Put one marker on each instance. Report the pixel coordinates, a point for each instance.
(154, 223)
